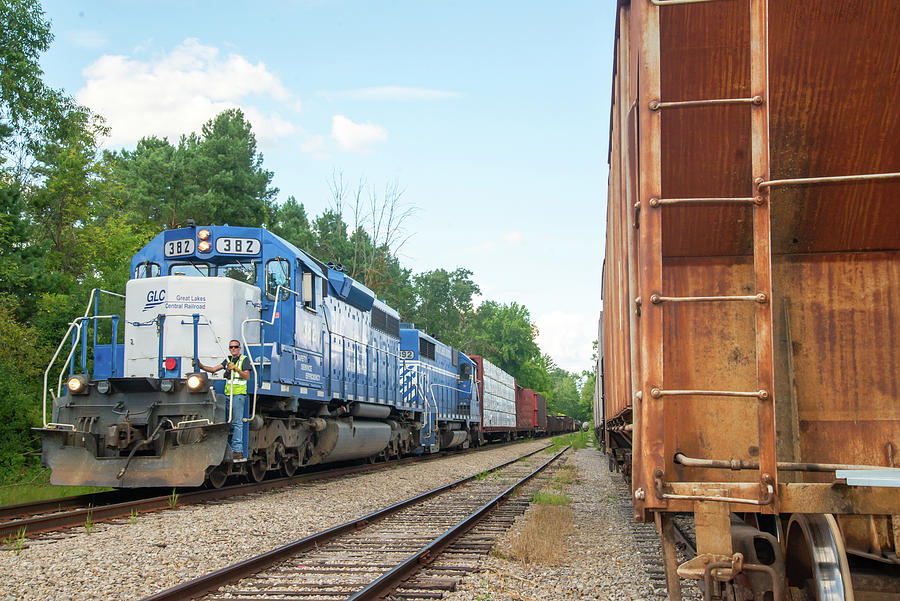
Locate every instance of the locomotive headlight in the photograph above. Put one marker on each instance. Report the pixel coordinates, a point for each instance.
(197, 382)
(203, 246)
(78, 384)
(203, 234)
(167, 385)
(103, 386)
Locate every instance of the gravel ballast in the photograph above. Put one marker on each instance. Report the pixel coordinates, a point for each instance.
(602, 560)
(131, 559)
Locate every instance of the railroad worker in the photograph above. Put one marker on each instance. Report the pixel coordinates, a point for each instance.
(237, 372)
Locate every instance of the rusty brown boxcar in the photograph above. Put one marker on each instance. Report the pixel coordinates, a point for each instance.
(751, 290)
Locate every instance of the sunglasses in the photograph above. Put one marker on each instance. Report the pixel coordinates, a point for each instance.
(234, 346)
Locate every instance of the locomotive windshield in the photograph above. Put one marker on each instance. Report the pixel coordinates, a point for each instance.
(242, 271)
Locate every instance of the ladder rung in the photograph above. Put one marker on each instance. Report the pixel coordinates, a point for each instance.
(656, 105)
(759, 394)
(673, 2)
(756, 298)
(835, 179)
(658, 202)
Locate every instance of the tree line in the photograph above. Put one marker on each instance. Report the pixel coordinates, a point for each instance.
(72, 215)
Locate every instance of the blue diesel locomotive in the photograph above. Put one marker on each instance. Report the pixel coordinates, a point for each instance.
(334, 376)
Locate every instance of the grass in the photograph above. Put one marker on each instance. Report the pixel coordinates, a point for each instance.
(565, 476)
(480, 476)
(89, 522)
(17, 543)
(577, 440)
(549, 498)
(543, 537)
(132, 518)
(173, 499)
(24, 493)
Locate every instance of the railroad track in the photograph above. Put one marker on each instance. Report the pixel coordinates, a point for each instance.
(650, 551)
(415, 549)
(68, 512)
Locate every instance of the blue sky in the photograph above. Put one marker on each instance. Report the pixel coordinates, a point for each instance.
(492, 116)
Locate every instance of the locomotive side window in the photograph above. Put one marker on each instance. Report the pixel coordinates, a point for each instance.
(189, 269)
(309, 291)
(146, 270)
(278, 273)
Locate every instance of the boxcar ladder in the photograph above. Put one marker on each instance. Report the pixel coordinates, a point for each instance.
(654, 394)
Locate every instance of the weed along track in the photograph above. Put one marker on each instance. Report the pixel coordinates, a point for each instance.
(416, 549)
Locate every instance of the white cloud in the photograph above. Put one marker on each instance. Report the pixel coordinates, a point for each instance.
(512, 237)
(356, 137)
(88, 38)
(315, 146)
(505, 239)
(393, 93)
(568, 338)
(180, 91)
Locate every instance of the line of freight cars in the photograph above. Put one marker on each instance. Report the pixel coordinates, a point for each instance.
(511, 411)
(750, 337)
(335, 375)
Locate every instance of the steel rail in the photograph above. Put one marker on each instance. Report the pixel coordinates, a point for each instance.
(215, 580)
(389, 581)
(81, 507)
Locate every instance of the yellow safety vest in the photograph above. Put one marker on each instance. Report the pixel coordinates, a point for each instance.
(235, 384)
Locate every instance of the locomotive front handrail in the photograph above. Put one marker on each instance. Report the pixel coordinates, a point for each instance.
(95, 292)
(75, 324)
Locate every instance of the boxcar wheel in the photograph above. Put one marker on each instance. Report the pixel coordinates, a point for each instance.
(815, 560)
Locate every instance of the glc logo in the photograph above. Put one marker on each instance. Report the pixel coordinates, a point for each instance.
(154, 299)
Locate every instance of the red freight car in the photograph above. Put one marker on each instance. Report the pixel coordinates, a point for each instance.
(540, 412)
(526, 413)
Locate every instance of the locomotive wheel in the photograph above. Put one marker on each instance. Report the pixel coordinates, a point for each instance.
(290, 465)
(217, 476)
(257, 470)
(815, 560)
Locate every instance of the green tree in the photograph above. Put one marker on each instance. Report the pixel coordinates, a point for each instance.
(504, 334)
(28, 108)
(226, 167)
(290, 221)
(19, 390)
(216, 177)
(444, 303)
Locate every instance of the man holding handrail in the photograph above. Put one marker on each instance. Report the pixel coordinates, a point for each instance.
(237, 372)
